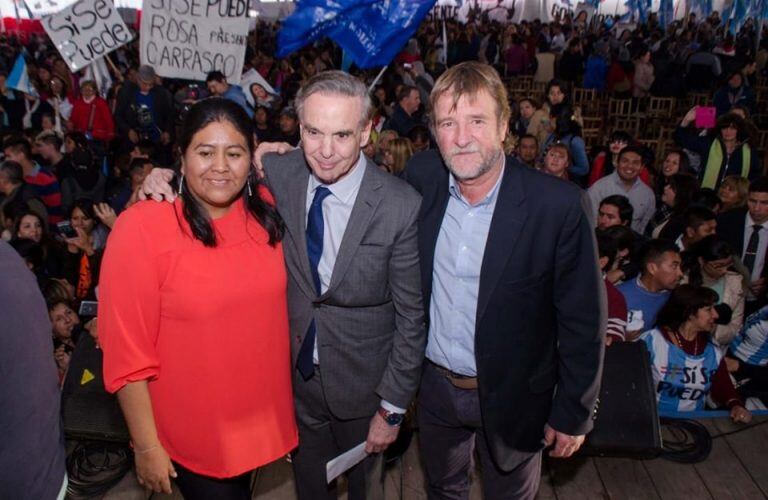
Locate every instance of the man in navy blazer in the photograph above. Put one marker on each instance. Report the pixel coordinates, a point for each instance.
(513, 296)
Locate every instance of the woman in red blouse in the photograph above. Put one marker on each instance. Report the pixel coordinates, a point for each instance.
(193, 318)
(91, 115)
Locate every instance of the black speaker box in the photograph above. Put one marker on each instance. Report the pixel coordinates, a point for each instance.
(627, 419)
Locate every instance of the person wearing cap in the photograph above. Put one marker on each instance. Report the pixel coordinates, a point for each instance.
(144, 111)
(289, 127)
(218, 86)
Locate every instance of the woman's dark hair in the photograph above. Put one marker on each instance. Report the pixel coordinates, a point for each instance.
(566, 124)
(78, 138)
(86, 206)
(734, 120)
(684, 302)
(623, 235)
(202, 114)
(685, 187)
(25, 213)
(563, 88)
(708, 249)
(607, 246)
(684, 162)
(620, 135)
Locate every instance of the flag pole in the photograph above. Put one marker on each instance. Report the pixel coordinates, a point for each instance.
(378, 77)
(114, 68)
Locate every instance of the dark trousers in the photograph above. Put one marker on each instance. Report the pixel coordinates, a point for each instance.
(450, 429)
(198, 487)
(323, 437)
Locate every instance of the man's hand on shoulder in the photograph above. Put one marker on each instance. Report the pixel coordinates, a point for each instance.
(157, 185)
(268, 147)
(565, 445)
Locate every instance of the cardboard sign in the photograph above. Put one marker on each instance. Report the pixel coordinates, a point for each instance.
(251, 77)
(86, 31)
(190, 38)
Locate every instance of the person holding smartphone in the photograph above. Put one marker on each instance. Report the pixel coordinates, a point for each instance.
(85, 239)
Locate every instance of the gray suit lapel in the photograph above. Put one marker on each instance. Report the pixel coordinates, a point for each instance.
(293, 209)
(368, 198)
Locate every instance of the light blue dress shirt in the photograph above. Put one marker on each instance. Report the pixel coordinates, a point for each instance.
(456, 279)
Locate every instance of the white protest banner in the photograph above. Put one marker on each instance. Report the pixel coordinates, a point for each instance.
(190, 38)
(86, 31)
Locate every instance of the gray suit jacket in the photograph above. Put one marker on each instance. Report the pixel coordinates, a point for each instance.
(370, 322)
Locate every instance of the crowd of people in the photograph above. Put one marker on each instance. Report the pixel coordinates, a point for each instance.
(679, 222)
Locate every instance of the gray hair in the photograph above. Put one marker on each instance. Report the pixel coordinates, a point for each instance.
(337, 83)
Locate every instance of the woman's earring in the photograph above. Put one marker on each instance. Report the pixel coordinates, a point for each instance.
(181, 184)
(250, 192)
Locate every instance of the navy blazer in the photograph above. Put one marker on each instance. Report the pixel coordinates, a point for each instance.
(541, 305)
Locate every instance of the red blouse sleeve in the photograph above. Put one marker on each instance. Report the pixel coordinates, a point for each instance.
(129, 304)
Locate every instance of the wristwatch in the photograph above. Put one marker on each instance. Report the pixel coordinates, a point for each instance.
(392, 419)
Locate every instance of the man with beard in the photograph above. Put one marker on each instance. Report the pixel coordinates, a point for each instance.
(513, 297)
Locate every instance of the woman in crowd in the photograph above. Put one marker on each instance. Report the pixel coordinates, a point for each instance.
(383, 144)
(724, 151)
(567, 131)
(91, 116)
(709, 263)
(675, 162)
(557, 160)
(31, 226)
(526, 109)
(734, 93)
(397, 155)
(82, 260)
(201, 320)
(540, 126)
(60, 102)
(606, 161)
(680, 346)
(733, 193)
(677, 195)
(642, 79)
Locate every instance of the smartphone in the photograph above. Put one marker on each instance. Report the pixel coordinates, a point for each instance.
(88, 308)
(706, 117)
(65, 228)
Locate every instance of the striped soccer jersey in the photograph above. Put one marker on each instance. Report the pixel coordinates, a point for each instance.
(751, 344)
(682, 381)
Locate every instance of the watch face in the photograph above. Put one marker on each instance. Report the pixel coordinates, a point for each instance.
(394, 419)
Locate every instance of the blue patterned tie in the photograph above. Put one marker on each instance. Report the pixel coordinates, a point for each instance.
(315, 228)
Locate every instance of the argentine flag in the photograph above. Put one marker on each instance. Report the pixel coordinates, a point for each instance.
(19, 78)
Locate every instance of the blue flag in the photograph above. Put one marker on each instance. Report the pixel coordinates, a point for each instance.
(19, 78)
(666, 13)
(371, 31)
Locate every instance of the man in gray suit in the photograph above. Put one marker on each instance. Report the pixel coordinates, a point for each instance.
(354, 296)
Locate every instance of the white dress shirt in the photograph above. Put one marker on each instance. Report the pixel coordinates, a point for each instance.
(337, 209)
(761, 245)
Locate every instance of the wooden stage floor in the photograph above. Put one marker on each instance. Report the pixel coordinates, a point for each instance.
(737, 468)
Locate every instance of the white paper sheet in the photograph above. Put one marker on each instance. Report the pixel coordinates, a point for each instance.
(339, 465)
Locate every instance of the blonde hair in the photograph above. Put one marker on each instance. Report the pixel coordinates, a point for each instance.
(386, 135)
(469, 79)
(401, 149)
(740, 185)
